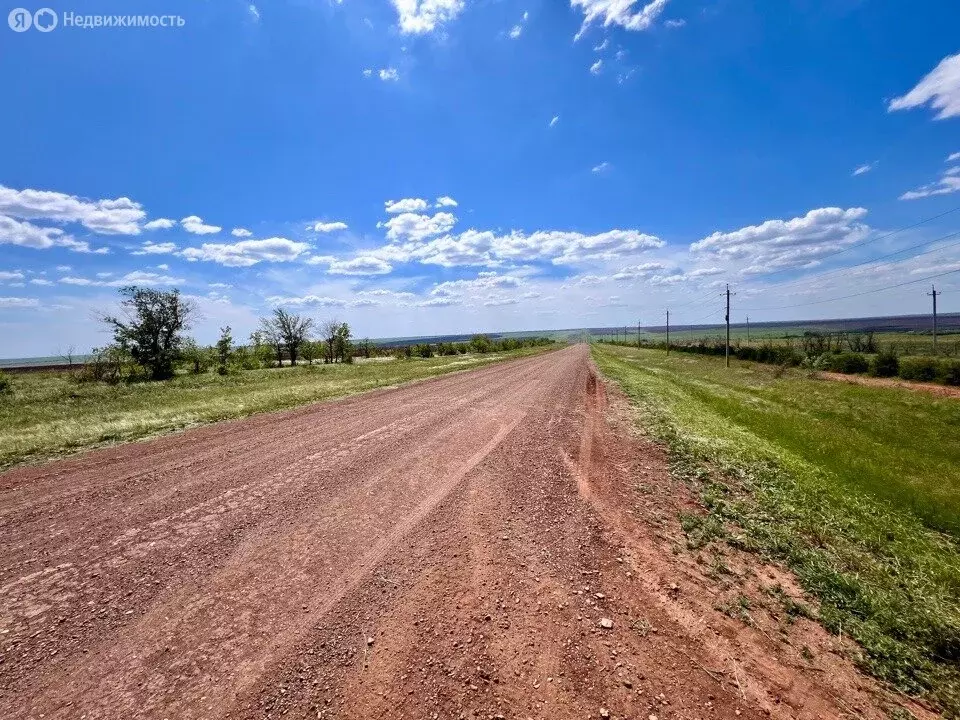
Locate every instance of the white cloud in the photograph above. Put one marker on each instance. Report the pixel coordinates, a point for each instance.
(151, 248)
(516, 31)
(705, 272)
(18, 302)
(948, 183)
(953, 157)
(194, 224)
(64, 268)
(326, 227)
(389, 74)
(8, 275)
(40, 281)
(360, 265)
(29, 235)
(679, 23)
(496, 302)
(786, 244)
(864, 169)
(418, 17)
(940, 88)
(618, 12)
(486, 248)
(406, 205)
(554, 120)
(113, 217)
(446, 201)
(160, 224)
(368, 72)
(248, 252)
(137, 277)
(597, 67)
(241, 232)
(601, 168)
(416, 228)
(254, 12)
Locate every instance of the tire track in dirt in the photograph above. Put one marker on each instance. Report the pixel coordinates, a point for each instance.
(445, 549)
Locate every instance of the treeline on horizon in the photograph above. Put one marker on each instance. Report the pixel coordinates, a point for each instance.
(150, 342)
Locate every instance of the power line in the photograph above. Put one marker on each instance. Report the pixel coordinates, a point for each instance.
(846, 297)
(876, 239)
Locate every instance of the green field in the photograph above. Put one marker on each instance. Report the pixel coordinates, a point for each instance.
(857, 489)
(50, 414)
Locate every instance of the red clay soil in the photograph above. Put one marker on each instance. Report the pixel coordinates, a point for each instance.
(938, 390)
(451, 549)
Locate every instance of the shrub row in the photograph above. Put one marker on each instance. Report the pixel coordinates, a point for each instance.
(885, 363)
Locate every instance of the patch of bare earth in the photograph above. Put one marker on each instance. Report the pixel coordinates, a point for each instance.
(477, 545)
(938, 390)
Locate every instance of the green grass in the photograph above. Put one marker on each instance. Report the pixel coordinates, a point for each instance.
(47, 415)
(857, 489)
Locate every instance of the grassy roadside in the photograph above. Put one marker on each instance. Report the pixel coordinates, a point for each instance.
(857, 489)
(48, 415)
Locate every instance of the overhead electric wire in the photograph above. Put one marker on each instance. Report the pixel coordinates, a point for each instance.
(846, 297)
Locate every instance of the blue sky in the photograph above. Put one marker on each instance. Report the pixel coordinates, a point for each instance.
(454, 166)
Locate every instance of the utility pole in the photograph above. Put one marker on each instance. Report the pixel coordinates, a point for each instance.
(668, 332)
(748, 328)
(727, 349)
(638, 332)
(933, 293)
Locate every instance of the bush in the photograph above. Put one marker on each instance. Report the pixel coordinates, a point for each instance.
(951, 372)
(6, 386)
(849, 363)
(885, 364)
(924, 369)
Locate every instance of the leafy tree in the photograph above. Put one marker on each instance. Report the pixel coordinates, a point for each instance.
(270, 335)
(289, 331)
(309, 350)
(343, 348)
(224, 350)
(151, 327)
(196, 356)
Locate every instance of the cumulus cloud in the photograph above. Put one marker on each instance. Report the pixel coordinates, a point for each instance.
(26, 234)
(326, 227)
(160, 224)
(389, 74)
(416, 228)
(137, 277)
(486, 248)
(360, 265)
(623, 13)
(194, 224)
(406, 205)
(419, 17)
(940, 88)
(248, 252)
(446, 201)
(152, 248)
(6, 275)
(785, 244)
(241, 232)
(112, 217)
(953, 157)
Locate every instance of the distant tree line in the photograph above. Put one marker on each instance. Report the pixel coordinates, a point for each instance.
(150, 342)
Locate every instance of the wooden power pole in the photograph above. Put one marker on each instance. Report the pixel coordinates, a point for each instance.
(933, 293)
(748, 328)
(638, 332)
(727, 349)
(668, 332)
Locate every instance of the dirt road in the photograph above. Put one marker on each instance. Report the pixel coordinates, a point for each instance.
(447, 549)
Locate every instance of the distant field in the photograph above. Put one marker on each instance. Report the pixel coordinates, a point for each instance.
(856, 488)
(49, 414)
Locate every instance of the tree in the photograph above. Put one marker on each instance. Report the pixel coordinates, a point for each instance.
(268, 334)
(291, 330)
(151, 328)
(224, 350)
(328, 334)
(342, 345)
